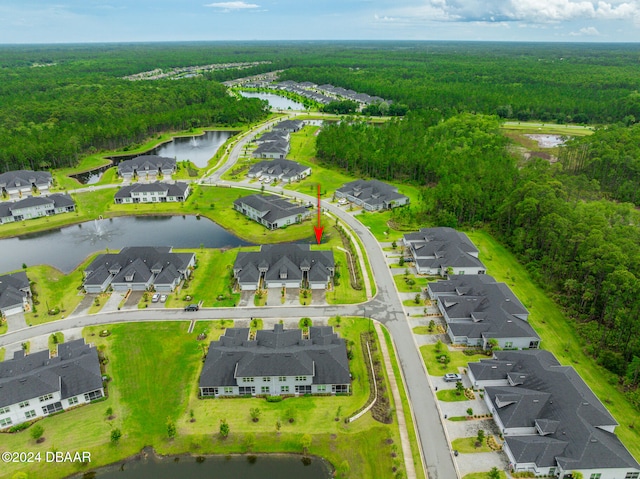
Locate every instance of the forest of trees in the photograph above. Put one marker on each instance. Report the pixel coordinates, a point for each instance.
(581, 248)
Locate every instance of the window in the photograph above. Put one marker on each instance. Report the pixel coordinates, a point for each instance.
(247, 380)
(30, 414)
(247, 390)
(46, 397)
(23, 404)
(508, 344)
(322, 388)
(72, 401)
(90, 396)
(4, 410)
(305, 389)
(266, 379)
(282, 379)
(228, 390)
(301, 378)
(595, 475)
(265, 389)
(340, 388)
(5, 422)
(632, 475)
(51, 408)
(209, 391)
(284, 389)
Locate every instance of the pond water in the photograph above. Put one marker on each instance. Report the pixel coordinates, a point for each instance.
(547, 141)
(219, 467)
(65, 248)
(198, 149)
(275, 101)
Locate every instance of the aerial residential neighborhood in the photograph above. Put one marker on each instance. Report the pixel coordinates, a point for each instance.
(352, 260)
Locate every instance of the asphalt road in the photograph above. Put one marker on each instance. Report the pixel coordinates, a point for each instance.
(385, 307)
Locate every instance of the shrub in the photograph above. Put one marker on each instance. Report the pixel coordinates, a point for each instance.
(274, 398)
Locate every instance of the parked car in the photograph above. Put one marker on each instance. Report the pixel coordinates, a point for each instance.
(163, 298)
(452, 377)
(155, 298)
(192, 307)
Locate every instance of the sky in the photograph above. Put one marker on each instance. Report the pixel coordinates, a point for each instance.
(80, 21)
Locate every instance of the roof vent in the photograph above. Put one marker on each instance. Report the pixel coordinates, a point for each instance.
(593, 439)
(494, 367)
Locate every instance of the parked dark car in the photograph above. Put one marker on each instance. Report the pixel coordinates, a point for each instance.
(192, 307)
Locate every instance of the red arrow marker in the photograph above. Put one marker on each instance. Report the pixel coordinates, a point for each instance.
(318, 229)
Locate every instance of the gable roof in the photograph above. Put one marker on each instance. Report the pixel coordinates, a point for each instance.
(281, 167)
(442, 247)
(271, 207)
(280, 147)
(372, 192)
(74, 371)
(146, 163)
(178, 188)
(13, 290)
(57, 200)
(295, 257)
(18, 178)
(479, 307)
(276, 352)
(570, 416)
(290, 125)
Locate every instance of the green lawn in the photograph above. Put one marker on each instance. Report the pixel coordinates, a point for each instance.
(451, 395)
(3, 327)
(483, 475)
(210, 280)
(403, 283)
(465, 445)
(2, 351)
(558, 334)
(424, 330)
(547, 128)
(55, 290)
(154, 369)
(415, 451)
(53, 343)
(458, 359)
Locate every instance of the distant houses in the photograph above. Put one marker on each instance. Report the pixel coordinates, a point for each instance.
(480, 311)
(443, 251)
(272, 149)
(286, 171)
(552, 423)
(15, 293)
(290, 126)
(36, 207)
(21, 183)
(38, 385)
(147, 167)
(138, 268)
(275, 143)
(372, 195)
(276, 363)
(271, 211)
(157, 192)
(284, 266)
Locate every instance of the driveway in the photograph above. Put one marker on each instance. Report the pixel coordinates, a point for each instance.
(246, 299)
(83, 308)
(132, 301)
(292, 296)
(318, 296)
(16, 321)
(274, 297)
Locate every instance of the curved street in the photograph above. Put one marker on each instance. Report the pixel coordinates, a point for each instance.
(385, 307)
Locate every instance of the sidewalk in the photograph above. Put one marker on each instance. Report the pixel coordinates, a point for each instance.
(402, 425)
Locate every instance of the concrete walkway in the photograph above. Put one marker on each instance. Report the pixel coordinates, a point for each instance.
(402, 425)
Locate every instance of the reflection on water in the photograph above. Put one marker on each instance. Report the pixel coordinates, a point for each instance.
(67, 247)
(275, 101)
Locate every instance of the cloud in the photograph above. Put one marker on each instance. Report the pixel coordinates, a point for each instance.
(229, 6)
(586, 31)
(530, 11)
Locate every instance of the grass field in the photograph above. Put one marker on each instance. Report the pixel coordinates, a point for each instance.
(450, 395)
(484, 475)
(466, 445)
(154, 369)
(558, 334)
(458, 359)
(403, 283)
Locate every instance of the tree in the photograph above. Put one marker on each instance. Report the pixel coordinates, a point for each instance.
(249, 441)
(459, 388)
(171, 429)
(494, 473)
(481, 436)
(254, 412)
(36, 432)
(278, 426)
(470, 412)
(109, 413)
(417, 298)
(116, 434)
(224, 429)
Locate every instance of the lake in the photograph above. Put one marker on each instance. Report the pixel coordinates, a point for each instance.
(199, 149)
(65, 248)
(219, 467)
(275, 101)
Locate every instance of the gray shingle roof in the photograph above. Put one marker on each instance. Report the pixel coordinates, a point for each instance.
(289, 125)
(13, 289)
(372, 192)
(556, 399)
(178, 188)
(12, 179)
(442, 247)
(277, 352)
(76, 369)
(57, 200)
(271, 208)
(286, 169)
(279, 147)
(146, 163)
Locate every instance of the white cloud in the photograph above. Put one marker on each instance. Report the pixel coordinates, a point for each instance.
(228, 6)
(587, 32)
